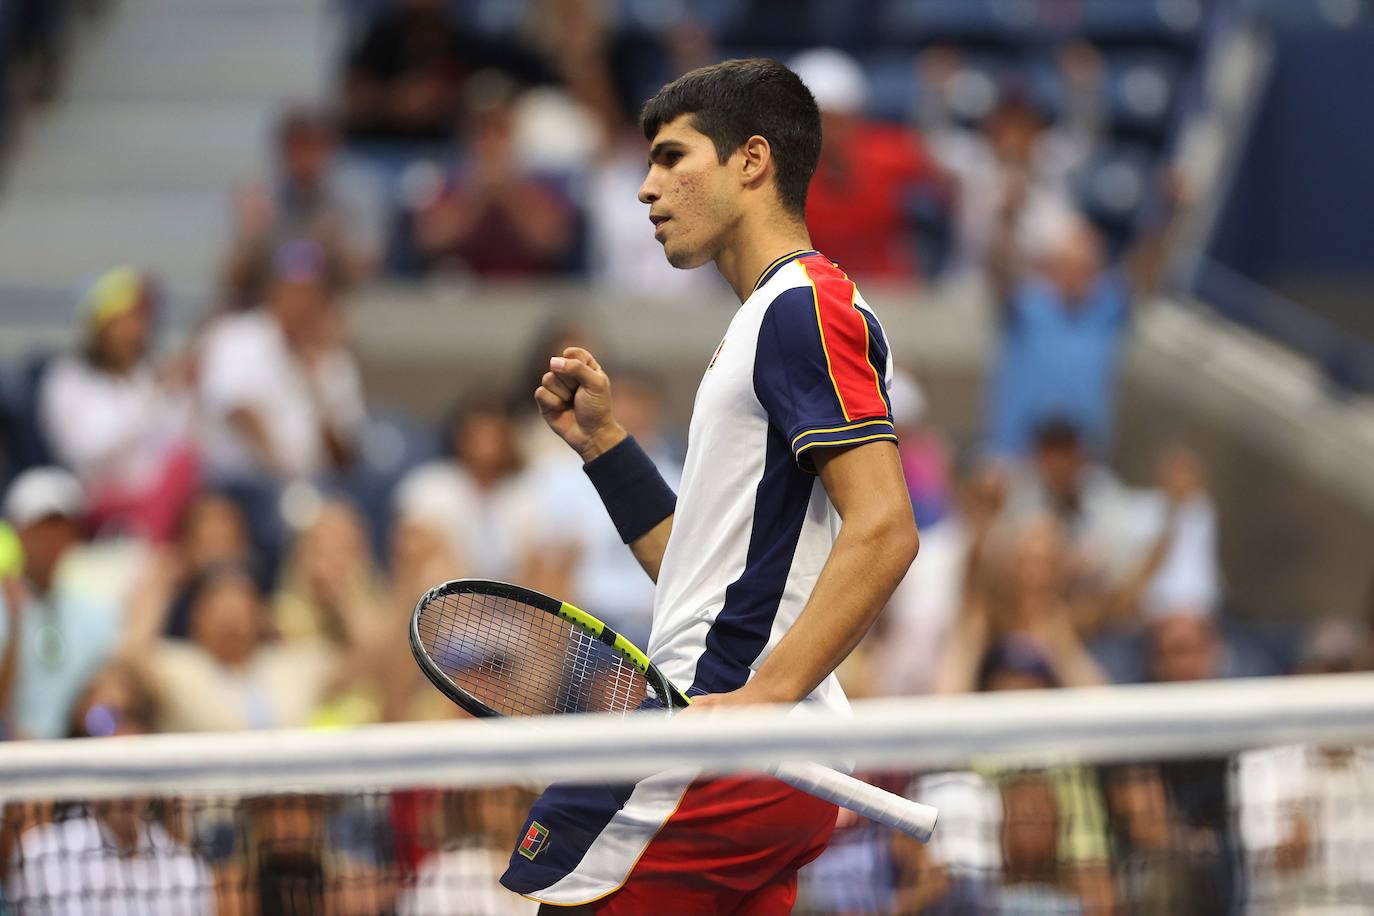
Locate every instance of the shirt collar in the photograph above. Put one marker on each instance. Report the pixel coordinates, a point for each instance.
(777, 265)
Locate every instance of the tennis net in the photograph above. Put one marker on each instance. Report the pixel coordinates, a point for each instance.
(1229, 797)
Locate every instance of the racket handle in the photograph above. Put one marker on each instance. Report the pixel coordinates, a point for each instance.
(877, 804)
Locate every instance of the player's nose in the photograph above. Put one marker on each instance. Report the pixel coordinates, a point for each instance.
(648, 191)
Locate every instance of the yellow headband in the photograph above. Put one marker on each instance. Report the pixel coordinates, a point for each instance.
(116, 292)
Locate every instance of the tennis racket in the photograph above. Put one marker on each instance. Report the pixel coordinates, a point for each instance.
(502, 650)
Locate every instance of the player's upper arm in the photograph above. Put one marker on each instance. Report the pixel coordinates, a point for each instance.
(821, 367)
(866, 485)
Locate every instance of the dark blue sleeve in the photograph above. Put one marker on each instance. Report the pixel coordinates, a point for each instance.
(817, 374)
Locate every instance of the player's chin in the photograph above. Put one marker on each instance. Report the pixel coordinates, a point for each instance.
(683, 257)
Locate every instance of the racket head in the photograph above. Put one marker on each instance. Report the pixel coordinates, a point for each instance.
(498, 649)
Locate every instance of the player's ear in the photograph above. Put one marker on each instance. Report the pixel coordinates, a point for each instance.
(755, 161)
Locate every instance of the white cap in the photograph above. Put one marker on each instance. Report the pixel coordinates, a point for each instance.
(834, 78)
(40, 493)
(908, 399)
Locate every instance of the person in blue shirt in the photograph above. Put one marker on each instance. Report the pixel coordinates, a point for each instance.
(52, 638)
(1063, 320)
(1064, 311)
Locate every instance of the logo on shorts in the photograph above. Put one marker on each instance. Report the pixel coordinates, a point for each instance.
(534, 840)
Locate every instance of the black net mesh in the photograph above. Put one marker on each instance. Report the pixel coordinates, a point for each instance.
(1274, 831)
(520, 660)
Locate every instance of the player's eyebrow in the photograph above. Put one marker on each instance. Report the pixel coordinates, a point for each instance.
(662, 147)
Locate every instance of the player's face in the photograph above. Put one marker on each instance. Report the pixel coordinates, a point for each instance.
(693, 202)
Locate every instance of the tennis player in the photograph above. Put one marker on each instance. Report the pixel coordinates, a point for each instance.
(791, 530)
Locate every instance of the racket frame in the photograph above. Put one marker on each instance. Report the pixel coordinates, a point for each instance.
(579, 618)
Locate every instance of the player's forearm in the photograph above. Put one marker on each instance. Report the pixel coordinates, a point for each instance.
(638, 500)
(868, 560)
(649, 549)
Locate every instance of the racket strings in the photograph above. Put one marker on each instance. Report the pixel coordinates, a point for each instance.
(520, 660)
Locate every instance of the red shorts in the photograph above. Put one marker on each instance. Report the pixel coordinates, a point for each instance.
(733, 845)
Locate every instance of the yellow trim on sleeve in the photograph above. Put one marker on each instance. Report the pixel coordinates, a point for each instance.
(892, 436)
(838, 429)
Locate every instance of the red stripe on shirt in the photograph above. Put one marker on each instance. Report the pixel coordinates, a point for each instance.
(844, 335)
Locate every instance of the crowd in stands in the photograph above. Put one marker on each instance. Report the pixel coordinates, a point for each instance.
(205, 549)
(35, 43)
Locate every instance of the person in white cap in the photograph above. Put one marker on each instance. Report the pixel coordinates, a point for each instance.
(861, 202)
(53, 638)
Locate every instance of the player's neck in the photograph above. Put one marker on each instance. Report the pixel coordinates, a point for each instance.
(758, 244)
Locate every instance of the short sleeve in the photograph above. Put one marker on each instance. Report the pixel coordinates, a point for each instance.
(820, 370)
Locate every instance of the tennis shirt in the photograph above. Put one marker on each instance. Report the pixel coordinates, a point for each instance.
(803, 366)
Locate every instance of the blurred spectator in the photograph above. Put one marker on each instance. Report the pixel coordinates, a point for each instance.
(111, 851)
(1131, 549)
(313, 194)
(406, 74)
(1016, 156)
(1150, 858)
(495, 218)
(911, 635)
(854, 873)
(488, 510)
(1025, 841)
(604, 575)
(226, 676)
(461, 878)
(115, 702)
(1062, 327)
(281, 394)
(422, 554)
(281, 390)
(331, 590)
(55, 635)
(604, 70)
(1183, 647)
(1065, 313)
(1306, 813)
(1032, 881)
(1307, 825)
(1016, 616)
(329, 581)
(120, 423)
(213, 531)
(862, 201)
(923, 450)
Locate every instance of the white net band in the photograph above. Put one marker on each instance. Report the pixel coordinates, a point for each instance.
(1091, 726)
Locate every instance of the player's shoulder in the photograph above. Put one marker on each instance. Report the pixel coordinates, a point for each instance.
(800, 279)
(812, 285)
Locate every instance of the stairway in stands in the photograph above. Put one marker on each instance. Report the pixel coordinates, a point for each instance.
(167, 104)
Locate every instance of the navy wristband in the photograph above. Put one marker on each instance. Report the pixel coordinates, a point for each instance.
(635, 494)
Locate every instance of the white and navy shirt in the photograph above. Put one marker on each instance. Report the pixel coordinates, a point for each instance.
(803, 366)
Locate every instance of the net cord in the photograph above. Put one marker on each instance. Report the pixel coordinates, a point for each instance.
(1088, 726)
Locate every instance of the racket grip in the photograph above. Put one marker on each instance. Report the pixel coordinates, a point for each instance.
(877, 804)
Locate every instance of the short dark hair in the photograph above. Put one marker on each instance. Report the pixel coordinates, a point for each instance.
(1057, 434)
(732, 101)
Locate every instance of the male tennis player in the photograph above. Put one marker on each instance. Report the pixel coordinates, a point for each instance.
(792, 527)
